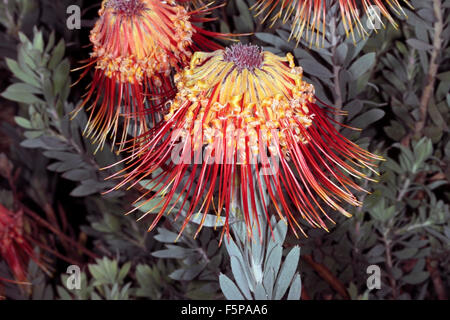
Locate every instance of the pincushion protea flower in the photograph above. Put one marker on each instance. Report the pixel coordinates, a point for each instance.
(136, 45)
(311, 14)
(238, 111)
(15, 250)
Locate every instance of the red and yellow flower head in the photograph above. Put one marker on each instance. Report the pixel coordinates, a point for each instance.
(15, 250)
(136, 46)
(137, 39)
(239, 112)
(311, 15)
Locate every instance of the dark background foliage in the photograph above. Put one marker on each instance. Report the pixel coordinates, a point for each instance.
(394, 85)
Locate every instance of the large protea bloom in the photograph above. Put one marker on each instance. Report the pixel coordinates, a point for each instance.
(311, 15)
(136, 45)
(245, 123)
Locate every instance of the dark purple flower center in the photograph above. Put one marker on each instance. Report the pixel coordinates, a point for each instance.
(126, 7)
(244, 56)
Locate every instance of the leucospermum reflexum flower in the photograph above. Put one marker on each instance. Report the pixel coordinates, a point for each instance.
(15, 249)
(311, 15)
(136, 46)
(239, 111)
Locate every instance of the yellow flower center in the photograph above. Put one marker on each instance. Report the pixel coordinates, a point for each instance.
(243, 88)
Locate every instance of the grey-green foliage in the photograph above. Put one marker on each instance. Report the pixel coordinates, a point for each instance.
(256, 253)
(244, 21)
(257, 267)
(410, 204)
(406, 69)
(107, 282)
(238, 14)
(198, 261)
(196, 255)
(43, 88)
(119, 232)
(402, 226)
(16, 16)
(152, 280)
(422, 233)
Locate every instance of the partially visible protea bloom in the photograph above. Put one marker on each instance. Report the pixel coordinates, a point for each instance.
(15, 250)
(136, 46)
(311, 15)
(239, 111)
